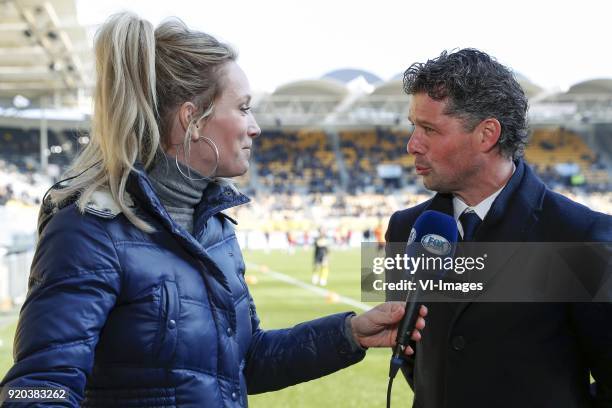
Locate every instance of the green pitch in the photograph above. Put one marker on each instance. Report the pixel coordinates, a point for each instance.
(7, 333)
(279, 305)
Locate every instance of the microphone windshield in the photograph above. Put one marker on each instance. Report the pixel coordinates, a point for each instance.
(433, 234)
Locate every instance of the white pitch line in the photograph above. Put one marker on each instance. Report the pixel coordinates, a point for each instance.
(312, 288)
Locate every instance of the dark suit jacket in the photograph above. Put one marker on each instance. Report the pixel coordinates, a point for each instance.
(515, 355)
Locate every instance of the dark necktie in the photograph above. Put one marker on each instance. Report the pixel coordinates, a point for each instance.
(470, 222)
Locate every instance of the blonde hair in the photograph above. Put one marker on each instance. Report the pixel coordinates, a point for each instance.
(143, 76)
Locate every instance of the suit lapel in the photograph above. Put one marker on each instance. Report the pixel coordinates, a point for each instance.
(512, 217)
(441, 202)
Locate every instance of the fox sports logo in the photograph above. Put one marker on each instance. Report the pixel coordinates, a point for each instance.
(436, 244)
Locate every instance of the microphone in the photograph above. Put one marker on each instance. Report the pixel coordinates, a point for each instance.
(434, 234)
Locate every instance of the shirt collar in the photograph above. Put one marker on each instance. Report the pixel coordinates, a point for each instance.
(481, 209)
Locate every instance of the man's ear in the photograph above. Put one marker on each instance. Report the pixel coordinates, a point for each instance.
(489, 131)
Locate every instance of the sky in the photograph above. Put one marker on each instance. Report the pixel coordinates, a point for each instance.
(553, 43)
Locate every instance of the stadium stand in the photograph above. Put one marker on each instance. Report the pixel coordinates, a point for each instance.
(552, 149)
(548, 147)
(301, 162)
(21, 147)
(363, 151)
(306, 162)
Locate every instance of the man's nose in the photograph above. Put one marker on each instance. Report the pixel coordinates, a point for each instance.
(415, 143)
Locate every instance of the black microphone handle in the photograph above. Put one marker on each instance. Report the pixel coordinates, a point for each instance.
(410, 317)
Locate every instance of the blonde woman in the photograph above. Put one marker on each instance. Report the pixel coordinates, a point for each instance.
(137, 295)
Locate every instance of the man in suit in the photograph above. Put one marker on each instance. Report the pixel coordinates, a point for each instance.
(470, 130)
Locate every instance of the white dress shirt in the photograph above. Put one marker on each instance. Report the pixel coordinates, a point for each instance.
(481, 209)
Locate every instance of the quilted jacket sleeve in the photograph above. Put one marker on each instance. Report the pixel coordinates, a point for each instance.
(74, 282)
(285, 357)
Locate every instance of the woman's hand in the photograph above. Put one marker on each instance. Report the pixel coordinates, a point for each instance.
(378, 326)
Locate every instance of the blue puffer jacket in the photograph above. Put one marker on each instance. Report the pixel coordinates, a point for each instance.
(119, 317)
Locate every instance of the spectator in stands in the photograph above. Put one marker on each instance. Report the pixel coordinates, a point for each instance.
(469, 114)
(137, 295)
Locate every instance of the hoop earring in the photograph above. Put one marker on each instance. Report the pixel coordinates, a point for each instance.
(213, 146)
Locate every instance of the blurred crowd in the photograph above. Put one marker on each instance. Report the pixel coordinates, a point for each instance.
(292, 211)
(296, 180)
(21, 186)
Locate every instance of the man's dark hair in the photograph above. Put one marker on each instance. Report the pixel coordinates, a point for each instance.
(478, 87)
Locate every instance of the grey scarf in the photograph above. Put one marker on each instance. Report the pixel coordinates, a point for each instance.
(178, 194)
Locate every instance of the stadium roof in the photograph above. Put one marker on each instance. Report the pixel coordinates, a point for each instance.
(313, 87)
(387, 104)
(300, 102)
(44, 52)
(587, 94)
(593, 86)
(347, 75)
(394, 87)
(528, 86)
